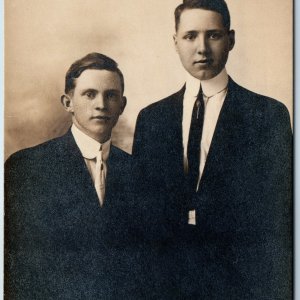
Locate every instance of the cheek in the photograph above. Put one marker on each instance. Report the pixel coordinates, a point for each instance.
(82, 106)
(115, 107)
(116, 111)
(224, 55)
(185, 48)
(221, 50)
(81, 112)
(185, 54)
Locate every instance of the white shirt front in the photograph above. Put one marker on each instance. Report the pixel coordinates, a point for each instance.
(214, 93)
(89, 149)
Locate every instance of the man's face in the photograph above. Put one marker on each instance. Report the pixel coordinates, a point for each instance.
(96, 103)
(203, 43)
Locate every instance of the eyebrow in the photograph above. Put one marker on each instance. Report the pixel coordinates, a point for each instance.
(208, 30)
(113, 90)
(191, 31)
(82, 92)
(88, 90)
(216, 30)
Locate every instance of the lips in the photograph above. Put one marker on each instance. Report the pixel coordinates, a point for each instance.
(203, 61)
(102, 118)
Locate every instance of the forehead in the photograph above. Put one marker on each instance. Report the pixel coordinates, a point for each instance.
(200, 19)
(99, 80)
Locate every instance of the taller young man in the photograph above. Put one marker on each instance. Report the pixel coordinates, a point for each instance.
(216, 158)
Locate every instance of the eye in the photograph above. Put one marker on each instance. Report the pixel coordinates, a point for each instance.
(90, 94)
(215, 35)
(112, 95)
(190, 36)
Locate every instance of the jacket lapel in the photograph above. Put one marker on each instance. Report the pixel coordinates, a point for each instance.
(79, 181)
(117, 179)
(175, 122)
(227, 134)
(112, 181)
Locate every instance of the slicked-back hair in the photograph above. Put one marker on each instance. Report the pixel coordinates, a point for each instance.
(94, 61)
(218, 6)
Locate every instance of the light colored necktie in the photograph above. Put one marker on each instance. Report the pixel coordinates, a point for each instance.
(100, 176)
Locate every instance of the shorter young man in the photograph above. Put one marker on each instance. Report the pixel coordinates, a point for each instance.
(68, 200)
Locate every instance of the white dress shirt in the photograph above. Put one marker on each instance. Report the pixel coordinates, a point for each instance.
(89, 149)
(214, 93)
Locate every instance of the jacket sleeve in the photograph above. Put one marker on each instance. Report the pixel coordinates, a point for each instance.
(277, 153)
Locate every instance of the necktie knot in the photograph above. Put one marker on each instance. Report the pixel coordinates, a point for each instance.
(199, 103)
(100, 154)
(200, 93)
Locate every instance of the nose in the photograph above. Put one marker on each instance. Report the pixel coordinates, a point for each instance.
(99, 102)
(202, 46)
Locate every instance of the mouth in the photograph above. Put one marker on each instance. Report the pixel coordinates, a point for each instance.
(101, 118)
(204, 61)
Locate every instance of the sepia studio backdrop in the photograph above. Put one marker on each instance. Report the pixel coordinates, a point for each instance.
(44, 37)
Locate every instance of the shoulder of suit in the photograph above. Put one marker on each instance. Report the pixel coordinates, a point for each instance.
(165, 102)
(120, 161)
(48, 149)
(254, 100)
(119, 152)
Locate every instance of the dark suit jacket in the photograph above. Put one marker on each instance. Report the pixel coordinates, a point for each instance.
(241, 246)
(59, 243)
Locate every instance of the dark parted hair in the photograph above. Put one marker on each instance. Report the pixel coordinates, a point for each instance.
(95, 61)
(218, 6)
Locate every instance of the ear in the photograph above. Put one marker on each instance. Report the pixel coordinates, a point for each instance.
(231, 35)
(175, 42)
(67, 103)
(124, 102)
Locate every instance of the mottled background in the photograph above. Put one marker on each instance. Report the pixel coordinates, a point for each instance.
(43, 37)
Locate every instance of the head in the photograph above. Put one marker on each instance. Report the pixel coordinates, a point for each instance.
(94, 90)
(203, 37)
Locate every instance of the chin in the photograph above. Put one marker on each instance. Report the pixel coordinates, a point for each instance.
(103, 135)
(204, 75)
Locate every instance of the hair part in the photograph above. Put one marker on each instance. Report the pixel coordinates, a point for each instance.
(94, 61)
(218, 6)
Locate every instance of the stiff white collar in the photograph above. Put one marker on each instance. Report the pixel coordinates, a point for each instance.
(89, 147)
(210, 87)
